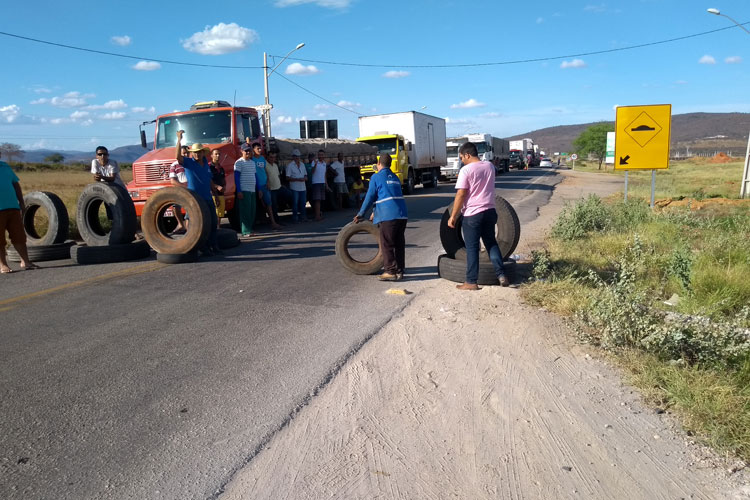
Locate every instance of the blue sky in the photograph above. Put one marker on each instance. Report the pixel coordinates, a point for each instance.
(58, 98)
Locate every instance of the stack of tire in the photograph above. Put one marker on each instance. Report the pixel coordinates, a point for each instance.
(158, 232)
(102, 246)
(54, 243)
(452, 264)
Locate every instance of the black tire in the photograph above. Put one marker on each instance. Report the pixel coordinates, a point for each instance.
(177, 258)
(227, 238)
(155, 230)
(455, 270)
(342, 248)
(57, 217)
(42, 253)
(410, 182)
(508, 231)
(124, 220)
(82, 254)
(429, 180)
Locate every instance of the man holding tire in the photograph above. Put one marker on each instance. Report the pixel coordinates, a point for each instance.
(390, 215)
(475, 197)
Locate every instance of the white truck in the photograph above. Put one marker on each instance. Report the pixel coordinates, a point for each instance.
(415, 142)
(493, 150)
(450, 171)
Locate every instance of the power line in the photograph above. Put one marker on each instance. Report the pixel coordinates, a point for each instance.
(318, 96)
(124, 56)
(517, 61)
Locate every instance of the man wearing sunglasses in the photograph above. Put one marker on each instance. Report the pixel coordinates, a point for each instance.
(104, 169)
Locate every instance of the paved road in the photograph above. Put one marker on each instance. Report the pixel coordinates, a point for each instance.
(141, 380)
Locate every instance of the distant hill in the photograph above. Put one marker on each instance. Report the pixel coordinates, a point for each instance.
(705, 133)
(123, 154)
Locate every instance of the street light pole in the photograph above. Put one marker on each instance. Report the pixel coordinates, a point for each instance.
(266, 74)
(717, 12)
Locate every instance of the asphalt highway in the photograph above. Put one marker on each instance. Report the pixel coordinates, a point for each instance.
(143, 380)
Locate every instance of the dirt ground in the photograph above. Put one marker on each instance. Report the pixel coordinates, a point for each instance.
(475, 395)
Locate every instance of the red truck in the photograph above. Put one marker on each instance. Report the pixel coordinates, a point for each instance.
(215, 124)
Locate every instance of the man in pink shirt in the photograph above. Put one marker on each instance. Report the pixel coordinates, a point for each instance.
(475, 197)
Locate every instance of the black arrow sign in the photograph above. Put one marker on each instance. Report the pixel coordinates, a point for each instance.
(624, 161)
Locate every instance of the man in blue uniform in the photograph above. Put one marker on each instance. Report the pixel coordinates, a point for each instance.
(390, 215)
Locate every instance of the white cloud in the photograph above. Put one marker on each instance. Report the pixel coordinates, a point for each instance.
(707, 60)
(41, 100)
(284, 119)
(491, 114)
(141, 109)
(87, 123)
(396, 74)
(471, 103)
(595, 8)
(70, 100)
(118, 104)
(220, 39)
(121, 40)
(331, 4)
(348, 104)
(733, 60)
(114, 115)
(301, 69)
(75, 115)
(146, 66)
(575, 63)
(42, 90)
(9, 114)
(539, 20)
(319, 107)
(681, 82)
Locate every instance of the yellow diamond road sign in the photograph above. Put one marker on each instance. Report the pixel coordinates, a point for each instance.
(642, 136)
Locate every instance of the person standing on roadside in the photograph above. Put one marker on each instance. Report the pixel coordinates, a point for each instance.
(244, 180)
(339, 181)
(319, 184)
(199, 180)
(104, 169)
(220, 183)
(261, 181)
(296, 174)
(274, 183)
(11, 208)
(390, 215)
(475, 197)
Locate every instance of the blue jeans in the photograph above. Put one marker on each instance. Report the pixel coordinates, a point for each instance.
(299, 200)
(481, 225)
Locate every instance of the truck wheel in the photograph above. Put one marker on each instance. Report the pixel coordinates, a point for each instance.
(82, 254)
(153, 221)
(342, 248)
(57, 218)
(507, 232)
(410, 182)
(429, 179)
(455, 270)
(119, 207)
(42, 253)
(177, 258)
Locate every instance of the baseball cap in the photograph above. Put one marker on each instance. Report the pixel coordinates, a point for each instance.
(246, 147)
(295, 152)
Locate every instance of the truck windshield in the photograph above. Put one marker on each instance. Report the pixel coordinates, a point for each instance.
(481, 147)
(452, 151)
(515, 154)
(209, 127)
(383, 145)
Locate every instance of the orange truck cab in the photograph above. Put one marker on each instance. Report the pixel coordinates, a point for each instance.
(216, 125)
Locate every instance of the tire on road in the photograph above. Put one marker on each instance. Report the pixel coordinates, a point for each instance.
(42, 253)
(227, 238)
(507, 232)
(342, 248)
(177, 258)
(58, 223)
(455, 270)
(83, 254)
(154, 227)
(121, 208)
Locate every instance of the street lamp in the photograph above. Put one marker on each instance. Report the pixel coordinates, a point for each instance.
(717, 12)
(266, 74)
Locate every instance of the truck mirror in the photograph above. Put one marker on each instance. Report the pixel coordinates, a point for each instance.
(393, 150)
(143, 139)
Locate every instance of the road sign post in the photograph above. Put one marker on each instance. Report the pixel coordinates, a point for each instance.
(574, 157)
(642, 135)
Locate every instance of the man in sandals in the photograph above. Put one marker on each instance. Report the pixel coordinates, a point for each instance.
(11, 208)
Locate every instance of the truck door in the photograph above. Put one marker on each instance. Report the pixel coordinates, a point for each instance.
(431, 141)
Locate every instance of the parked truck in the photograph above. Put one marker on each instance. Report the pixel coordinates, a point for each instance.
(219, 125)
(450, 171)
(415, 142)
(519, 153)
(493, 150)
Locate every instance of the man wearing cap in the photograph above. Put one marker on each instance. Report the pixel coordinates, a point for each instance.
(261, 181)
(390, 215)
(199, 180)
(296, 174)
(244, 180)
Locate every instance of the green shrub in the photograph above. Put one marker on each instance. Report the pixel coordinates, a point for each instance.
(578, 220)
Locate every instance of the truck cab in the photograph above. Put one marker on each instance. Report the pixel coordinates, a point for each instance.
(450, 171)
(215, 124)
(394, 145)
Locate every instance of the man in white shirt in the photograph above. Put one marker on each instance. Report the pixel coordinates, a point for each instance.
(319, 184)
(296, 173)
(104, 169)
(339, 182)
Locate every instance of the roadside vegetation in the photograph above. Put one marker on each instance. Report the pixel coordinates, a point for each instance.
(666, 292)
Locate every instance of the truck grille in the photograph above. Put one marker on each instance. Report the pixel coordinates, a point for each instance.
(156, 171)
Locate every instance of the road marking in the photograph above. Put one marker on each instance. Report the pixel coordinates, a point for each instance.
(144, 268)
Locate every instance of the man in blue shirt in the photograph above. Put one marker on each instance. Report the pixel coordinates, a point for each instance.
(390, 215)
(200, 181)
(11, 208)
